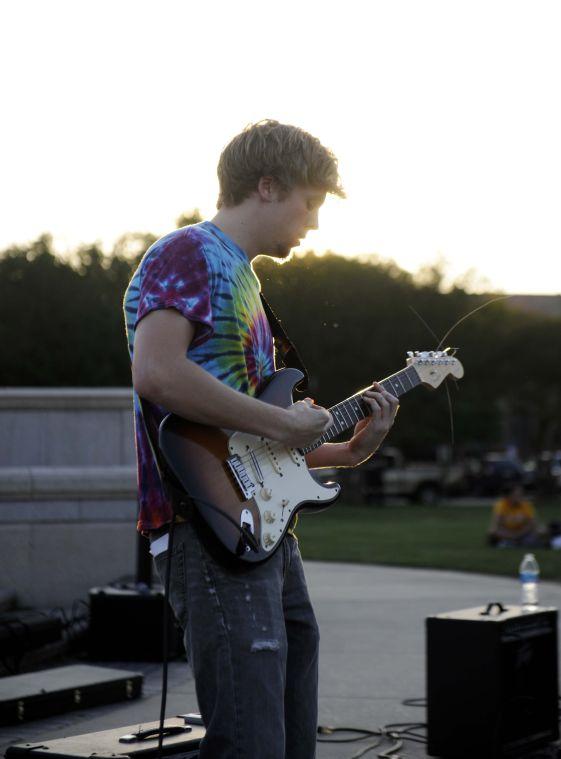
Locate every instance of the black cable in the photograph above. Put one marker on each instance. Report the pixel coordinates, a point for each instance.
(398, 732)
(368, 748)
(327, 730)
(165, 640)
(245, 534)
(73, 623)
(414, 702)
(74, 610)
(406, 733)
(59, 613)
(387, 732)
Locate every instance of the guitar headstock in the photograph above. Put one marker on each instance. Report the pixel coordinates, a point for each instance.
(434, 366)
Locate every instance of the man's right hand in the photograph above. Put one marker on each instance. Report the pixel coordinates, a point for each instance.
(306, 423)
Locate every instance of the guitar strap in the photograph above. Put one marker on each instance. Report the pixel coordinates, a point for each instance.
(285, 348)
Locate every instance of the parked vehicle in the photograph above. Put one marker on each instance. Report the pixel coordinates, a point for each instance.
(495, 472)
(543, 472)
(388, 474)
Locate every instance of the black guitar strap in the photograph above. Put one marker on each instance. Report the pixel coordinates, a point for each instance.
(285, 348)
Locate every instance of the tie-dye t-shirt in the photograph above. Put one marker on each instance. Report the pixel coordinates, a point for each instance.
(204, 275)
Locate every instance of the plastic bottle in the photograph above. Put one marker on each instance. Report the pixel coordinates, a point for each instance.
(529, 579)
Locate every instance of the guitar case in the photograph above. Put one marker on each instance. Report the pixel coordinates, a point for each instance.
(180, 740)
(78, 686)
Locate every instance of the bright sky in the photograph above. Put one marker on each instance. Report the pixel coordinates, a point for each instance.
(444, 114)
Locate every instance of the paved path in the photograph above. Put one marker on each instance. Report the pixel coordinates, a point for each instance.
(372, 652)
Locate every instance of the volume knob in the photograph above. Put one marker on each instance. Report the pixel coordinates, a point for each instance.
(266, 494)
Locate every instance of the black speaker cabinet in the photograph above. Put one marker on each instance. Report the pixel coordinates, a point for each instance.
(492, 682)
(126, 624)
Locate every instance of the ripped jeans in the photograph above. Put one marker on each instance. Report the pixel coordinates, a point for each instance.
(252, 641)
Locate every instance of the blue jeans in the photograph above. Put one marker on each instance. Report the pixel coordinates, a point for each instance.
(252, 641)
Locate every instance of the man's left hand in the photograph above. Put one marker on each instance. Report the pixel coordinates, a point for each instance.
(369, 433)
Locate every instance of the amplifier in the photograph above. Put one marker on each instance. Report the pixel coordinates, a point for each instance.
(126, 624)
(492, 681)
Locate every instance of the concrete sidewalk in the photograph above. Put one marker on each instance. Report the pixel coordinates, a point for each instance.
(372, 653)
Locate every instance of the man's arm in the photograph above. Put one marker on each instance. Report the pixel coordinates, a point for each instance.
(163, 374)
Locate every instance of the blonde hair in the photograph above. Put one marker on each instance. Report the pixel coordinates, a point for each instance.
(287, 153)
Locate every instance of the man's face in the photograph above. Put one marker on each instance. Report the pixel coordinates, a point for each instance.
(290, 217)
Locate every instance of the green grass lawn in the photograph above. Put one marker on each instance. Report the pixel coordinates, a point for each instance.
(441, 537)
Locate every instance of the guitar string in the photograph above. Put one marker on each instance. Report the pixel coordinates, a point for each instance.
(357, 397)
(277, 443)
(450, 409)
(278, 447)
(470, 313)
(246, 457)
(441, 343)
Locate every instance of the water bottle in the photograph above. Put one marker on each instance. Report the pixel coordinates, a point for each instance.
(529, 578)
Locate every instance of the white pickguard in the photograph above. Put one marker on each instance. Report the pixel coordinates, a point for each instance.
(279, 480)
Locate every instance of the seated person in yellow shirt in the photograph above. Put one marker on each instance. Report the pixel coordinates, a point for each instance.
(514, 520)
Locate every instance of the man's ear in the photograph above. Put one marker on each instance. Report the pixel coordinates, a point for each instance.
(268, 189)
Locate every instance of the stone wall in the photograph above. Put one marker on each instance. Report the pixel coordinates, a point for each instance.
(67, 492)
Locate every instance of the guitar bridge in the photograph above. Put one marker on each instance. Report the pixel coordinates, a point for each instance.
(243, 480)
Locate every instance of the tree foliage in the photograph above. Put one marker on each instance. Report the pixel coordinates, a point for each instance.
(61, 324)
(354, 322)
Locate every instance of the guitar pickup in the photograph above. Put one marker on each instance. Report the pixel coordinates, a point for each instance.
(243, 480)
(272, 451)
(296, 456)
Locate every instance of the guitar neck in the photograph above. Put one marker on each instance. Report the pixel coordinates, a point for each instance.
(350, 411)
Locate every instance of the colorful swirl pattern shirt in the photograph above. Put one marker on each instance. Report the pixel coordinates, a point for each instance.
(207, 278)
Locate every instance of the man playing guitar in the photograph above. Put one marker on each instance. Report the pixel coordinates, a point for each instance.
(201, 348)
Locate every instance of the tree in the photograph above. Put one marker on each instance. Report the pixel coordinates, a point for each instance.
(61, 324)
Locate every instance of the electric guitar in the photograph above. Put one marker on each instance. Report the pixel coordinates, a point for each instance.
(248, 488)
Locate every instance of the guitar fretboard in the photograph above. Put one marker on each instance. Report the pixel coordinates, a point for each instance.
(350, 411)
